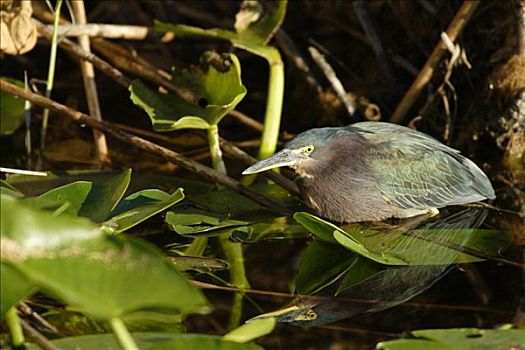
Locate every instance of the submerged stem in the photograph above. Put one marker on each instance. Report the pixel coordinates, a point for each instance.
(122, 334)
(232, 251)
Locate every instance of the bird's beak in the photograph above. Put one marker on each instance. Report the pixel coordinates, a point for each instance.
(282, 158)
(285, 315)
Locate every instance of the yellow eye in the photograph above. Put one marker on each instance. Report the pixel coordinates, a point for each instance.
(308, 149)
(311, 315)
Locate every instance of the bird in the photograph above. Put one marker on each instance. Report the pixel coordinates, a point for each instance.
(372, 171)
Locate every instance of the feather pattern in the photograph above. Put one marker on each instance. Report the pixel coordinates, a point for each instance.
(413, 170)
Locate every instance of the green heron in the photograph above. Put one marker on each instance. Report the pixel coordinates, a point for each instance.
(371, 171)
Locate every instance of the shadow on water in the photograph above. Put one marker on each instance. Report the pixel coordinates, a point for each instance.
(432, 248)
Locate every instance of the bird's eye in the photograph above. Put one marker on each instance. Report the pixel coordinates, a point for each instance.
(311, 315)
(308, 149)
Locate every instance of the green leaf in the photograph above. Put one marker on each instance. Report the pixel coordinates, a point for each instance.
(321, 229)
(93, 200)
(400, 245)
(411, 344)
(11, 109)
(269, 53)
(69, 258)
(322, 264)
(8, 189)
(108, 341)
(186, 221)
(14, 287)
(459, 339)
(202, 341)
(221, 90)
(252, 330)
(258, 21)
(140, 206)
(71, 323)
(360, 270)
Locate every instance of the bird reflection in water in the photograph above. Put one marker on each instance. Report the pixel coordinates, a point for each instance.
(394, 285)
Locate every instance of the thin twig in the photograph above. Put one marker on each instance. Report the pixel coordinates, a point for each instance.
(473, 308)
(108, 31)
(77, 51)
(37, 337)
(194, 167)
(88, 76)
(454, 29)
(333, 79)
(23, 172)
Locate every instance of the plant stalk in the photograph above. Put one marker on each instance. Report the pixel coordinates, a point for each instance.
(122, 334)
(274, 106)
(215, 149)
(15, 329)
(50, 75)
(232, 251)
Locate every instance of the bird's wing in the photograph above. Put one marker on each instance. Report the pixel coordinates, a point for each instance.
(416, 171)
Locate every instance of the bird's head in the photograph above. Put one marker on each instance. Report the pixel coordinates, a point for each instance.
(300, 153)
(297, 315)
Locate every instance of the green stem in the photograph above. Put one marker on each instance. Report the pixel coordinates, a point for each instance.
(232, 251)
(234, 256)
(15, 329)
(50, 74)
(122, 334)
(197, 246)
(274, 106)
(215, 149)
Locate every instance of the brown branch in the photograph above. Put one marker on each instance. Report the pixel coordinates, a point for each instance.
(37, 337)
(454, 29)
(75, 50)
(111, 31)
(473, 308)
(196, 168)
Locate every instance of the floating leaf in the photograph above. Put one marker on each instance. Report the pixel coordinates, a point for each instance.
(458, 339)
(361, 269)
(70, 258)
(321, 264)
(203, 341)
(187, 221)
(93, 200)
(14, 287)
(140, 206)
(11, 108)
(219, 90)
(434, 243)
(8, 189)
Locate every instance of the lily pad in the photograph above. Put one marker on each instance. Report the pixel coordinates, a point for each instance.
(14, 287)
(150, 340)
(140, 206)
(459, 339)
(93, 200)
(321, 264)
(70, 258)
(434, 243)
